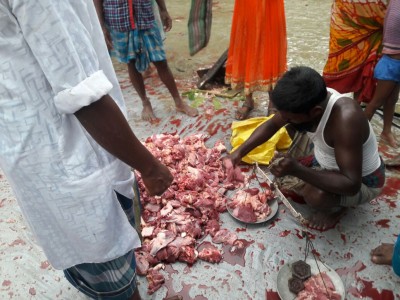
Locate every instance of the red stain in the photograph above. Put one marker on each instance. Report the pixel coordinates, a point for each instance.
(17, 242)
(343, 236)
(284, 233)
(44, 265)
(176, 122)
(271, 295)
(391, 187)
(273, 223)
(6, 283)
(32, 291)
(369, 291)
(300, 234)
(359, 266)
(261, 246)
(392, 203)
(235, 255)
(348, 256)
(383, 223)
(240, 229)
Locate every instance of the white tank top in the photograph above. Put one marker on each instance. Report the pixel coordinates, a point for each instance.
(325, 155)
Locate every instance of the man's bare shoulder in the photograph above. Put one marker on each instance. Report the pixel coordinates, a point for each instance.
(347, 108)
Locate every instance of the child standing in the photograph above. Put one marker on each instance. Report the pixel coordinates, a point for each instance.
(387, 72)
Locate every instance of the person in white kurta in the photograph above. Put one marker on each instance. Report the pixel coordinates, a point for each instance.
(65, 144)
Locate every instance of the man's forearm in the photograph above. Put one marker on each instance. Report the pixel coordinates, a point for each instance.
(104, 121)
(161, 5)
(328, 181)
(99, 9)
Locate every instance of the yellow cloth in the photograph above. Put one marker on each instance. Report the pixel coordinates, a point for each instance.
(241, 131)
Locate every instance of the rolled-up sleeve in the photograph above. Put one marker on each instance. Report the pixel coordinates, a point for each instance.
(61, 37)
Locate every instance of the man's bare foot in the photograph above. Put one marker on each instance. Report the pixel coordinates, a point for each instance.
(243, 112)
(321, 220)
(389, 140)
(147, 113)
(382, 255)
(187, 109)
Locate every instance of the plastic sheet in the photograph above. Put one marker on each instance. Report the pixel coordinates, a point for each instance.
(241, 131)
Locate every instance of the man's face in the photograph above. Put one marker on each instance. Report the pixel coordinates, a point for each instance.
(301, 122)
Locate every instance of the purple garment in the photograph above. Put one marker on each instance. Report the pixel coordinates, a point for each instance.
(116, 14)
(391, 28)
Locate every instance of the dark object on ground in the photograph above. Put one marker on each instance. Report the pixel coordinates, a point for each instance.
(301, 270)
(215, 74)
(296, 285)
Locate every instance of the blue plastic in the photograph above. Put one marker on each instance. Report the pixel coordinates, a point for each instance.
(396, 257)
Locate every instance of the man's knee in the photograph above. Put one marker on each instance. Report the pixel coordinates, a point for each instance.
(319, 199)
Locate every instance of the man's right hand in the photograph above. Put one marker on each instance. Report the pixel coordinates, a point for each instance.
(158, 179)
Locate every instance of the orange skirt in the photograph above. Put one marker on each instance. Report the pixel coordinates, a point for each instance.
(258, 45)
(354, 46)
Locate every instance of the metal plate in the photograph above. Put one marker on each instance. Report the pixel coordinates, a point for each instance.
(285, 273)
(273, 204)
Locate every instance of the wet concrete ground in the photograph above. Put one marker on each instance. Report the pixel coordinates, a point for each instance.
(252, 274)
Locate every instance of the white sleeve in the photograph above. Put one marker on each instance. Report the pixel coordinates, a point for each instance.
(60, 35)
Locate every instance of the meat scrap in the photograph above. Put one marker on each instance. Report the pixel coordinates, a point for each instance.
(210, 254)
(251, 205)
(189, 210)
(318, 287)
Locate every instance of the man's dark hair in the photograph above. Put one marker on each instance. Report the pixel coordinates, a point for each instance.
(299, 90)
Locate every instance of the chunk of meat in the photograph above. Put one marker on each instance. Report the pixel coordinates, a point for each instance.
(210, 254)
(250, 205)
(318, 287)
(163, 238)
(224, 236)
(188, 254)
(245, 213)
(233, 174)
(155, 280)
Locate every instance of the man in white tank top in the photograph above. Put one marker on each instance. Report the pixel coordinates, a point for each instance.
(347, 169)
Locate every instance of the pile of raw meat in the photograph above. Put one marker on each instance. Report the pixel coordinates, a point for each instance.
(250, 205)
(188, 211)
(318, 287)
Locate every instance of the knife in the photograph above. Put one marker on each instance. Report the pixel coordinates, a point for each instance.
(282, 197)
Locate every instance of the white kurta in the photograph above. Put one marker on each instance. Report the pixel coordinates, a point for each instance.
(53, 61)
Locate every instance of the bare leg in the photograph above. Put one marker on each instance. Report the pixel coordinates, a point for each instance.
(382, 255)
(168, 79)
(326, 208)
(136, 295)
(138, 83)
(271, 107)
(383, 91)
(388, 112)
(244, 111)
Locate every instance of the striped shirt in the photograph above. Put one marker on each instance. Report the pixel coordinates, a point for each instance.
(125, 15)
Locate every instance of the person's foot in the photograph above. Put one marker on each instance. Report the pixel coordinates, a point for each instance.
(382, 255)
(243, 112)
(187, 109)
(148, 113)
(389, 139)
(322, 220)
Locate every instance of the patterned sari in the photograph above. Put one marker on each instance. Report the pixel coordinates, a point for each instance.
(355, 46)
(258, 46)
